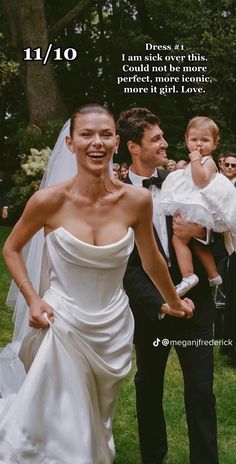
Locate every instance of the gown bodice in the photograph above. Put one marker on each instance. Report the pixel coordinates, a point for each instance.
(88, 274)
(64, 409)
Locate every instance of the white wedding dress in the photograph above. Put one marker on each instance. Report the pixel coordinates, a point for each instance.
(64, 409)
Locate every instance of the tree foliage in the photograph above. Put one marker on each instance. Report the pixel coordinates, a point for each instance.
(101, 31)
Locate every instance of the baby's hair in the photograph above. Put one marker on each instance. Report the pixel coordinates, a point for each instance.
(202, 122)
(89, 109)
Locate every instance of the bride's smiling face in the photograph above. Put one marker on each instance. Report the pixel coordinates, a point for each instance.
(93, 139)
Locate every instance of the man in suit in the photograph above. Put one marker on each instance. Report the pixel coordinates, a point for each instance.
(229, 321)
(3, 207)
(4, 212)
(142, 138)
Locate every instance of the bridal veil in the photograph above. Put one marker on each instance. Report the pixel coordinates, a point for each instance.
(61, 166)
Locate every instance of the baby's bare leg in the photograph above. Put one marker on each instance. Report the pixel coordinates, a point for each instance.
(184, 255)
(205, 257)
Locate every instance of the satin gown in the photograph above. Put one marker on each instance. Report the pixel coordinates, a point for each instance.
(64, 410)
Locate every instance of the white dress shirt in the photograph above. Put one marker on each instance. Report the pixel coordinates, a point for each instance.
(159, 219)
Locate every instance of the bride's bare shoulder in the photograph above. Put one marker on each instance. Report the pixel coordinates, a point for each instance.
(50, 196)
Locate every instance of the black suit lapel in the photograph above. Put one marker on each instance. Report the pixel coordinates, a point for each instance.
(127, 180)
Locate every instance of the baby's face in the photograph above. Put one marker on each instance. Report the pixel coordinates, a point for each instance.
(200, 140)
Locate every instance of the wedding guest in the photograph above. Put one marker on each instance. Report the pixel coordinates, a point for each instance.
(229, 321)
(116, 174)
(230, 167)
(220, 162)
(124, 169)
(181, 164)
(171, 165)
(3, 204)
(4, 212)
(116, 166)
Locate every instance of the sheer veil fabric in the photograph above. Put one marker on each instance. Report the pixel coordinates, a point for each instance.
(61, 166)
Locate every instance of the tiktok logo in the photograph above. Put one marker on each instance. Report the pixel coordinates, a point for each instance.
(156, 342)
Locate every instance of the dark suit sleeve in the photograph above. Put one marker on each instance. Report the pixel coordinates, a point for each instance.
(3, 201)
(143, 295)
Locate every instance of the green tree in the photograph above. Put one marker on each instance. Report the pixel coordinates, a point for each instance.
(207, 28)
(101, 31)
(28, 26)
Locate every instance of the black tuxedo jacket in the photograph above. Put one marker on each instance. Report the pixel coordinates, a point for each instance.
(146, 301)
(2, 200)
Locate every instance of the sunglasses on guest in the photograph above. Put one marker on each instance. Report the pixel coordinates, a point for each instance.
(227, 165)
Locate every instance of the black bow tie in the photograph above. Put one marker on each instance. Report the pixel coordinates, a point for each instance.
(157, 181)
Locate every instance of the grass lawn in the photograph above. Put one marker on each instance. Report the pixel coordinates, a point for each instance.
(125, 427)
(5, 312)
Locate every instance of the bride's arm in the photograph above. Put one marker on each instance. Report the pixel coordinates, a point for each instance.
(32, 220)
(153, 262)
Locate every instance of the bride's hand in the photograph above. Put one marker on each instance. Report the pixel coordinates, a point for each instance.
(40, 314)
(184, 310)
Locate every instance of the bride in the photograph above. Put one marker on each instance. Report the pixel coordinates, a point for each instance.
(78, 347)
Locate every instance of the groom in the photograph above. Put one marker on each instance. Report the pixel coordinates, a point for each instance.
(142, 139)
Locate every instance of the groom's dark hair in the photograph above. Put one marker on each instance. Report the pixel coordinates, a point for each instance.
(89, 109)
(131, 125)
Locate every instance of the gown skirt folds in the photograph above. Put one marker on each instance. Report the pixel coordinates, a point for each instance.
(64, 410)
(213, 206)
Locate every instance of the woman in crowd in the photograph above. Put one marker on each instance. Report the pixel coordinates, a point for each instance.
(171, 165)
(124, 169)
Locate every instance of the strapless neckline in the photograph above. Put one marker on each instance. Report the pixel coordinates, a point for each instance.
(86, 244)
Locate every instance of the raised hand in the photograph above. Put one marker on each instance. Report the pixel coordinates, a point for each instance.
(194, 155)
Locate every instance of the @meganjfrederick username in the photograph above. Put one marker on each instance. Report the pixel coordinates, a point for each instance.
(195, 342)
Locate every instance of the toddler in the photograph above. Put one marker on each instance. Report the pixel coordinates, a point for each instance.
(201, 195)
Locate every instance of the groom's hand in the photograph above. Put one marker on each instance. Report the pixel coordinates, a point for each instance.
(185, 310)
(186, 230)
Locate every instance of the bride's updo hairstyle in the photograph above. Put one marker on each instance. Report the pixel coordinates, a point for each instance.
(89, 109)
(202, 122)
